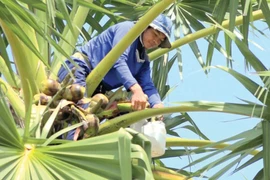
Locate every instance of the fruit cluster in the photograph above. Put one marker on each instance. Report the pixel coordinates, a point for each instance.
(72, 107)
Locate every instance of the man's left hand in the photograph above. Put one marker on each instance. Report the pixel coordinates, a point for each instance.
(160, 105)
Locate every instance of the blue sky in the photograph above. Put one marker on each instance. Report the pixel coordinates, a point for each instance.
(217, 86)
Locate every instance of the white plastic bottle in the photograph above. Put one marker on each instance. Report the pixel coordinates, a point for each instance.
(138, 125)
(155, 131)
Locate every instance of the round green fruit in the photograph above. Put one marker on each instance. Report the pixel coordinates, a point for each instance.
(102, 97)
(74, 92)
(49, 87)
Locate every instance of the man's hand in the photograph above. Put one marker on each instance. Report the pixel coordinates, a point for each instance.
(138, 99)
(160, 105)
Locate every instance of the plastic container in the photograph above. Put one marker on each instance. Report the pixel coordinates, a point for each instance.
(155, 131)
(138, 125)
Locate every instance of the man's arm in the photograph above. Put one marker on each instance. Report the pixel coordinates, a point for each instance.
(145, 81)
(138, 100)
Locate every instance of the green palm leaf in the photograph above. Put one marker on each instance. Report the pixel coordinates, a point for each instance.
(81, 159)
(8, 135)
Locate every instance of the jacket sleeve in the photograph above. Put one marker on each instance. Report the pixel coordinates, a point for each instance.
(145, 81)
(122, 70)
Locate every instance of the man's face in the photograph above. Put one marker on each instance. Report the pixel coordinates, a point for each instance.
(152, 38)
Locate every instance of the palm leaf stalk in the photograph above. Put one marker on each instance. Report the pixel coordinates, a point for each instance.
(182, 142)
(125, 120)
(30, 62)
(203, 33)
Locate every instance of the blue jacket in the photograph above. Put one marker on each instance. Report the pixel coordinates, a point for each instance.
(132, 67)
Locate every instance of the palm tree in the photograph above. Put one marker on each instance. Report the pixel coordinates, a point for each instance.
(42, 34)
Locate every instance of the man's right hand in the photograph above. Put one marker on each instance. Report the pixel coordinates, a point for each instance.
(138, 99)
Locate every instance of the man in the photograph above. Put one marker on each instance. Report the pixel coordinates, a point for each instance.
(132, 69)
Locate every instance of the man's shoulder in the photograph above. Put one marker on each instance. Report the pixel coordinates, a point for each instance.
(125, 24)
(121, 28)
